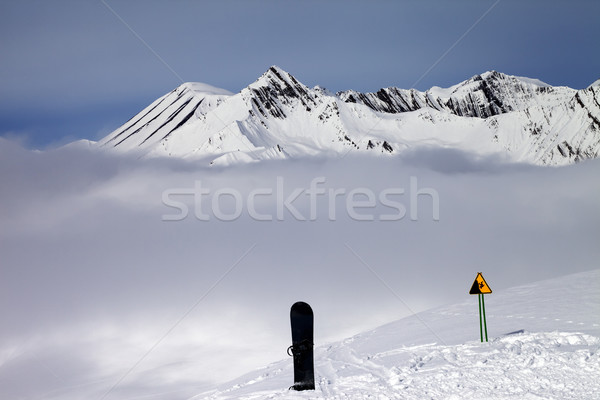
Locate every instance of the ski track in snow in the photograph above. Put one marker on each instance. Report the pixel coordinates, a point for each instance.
(403, 361)
(557, 365)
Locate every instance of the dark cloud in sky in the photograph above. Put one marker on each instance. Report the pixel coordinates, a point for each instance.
(92, 277)
(75, 70)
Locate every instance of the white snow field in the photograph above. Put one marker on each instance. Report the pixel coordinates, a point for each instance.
(544, 342)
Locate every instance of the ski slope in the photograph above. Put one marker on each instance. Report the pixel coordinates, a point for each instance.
(544, 342)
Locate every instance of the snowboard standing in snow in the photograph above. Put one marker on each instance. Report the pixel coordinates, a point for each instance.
(301, 317)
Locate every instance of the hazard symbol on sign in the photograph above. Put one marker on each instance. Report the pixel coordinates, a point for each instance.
(480, 286)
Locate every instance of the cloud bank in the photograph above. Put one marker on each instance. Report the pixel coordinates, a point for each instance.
(102, 298)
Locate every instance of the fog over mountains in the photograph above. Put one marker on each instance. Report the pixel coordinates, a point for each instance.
(277, 117)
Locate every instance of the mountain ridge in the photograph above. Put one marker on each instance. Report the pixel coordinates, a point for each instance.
(278, 117)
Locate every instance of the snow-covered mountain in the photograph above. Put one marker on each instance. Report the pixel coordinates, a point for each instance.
(543, 344)
(278, 117)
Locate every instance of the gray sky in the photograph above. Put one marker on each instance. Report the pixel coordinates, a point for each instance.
(75, 69)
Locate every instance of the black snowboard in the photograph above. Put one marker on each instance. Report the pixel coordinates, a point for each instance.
(301, 317)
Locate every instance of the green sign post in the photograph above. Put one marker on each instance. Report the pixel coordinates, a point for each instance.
(480, 287)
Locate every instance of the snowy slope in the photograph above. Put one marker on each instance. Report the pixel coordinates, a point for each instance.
(568, 132)
(165, 115)
(278, 117)
(544, 343)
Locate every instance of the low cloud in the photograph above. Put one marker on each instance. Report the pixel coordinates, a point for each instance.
(98, 291)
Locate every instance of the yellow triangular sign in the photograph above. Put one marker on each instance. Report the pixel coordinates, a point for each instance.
(480, 286)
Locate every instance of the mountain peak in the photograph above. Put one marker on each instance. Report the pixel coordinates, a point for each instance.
(277, 88)
(276, 70)
(276, 74)
(493, 75)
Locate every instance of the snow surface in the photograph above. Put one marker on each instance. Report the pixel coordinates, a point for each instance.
(201, 87)
(544, 343)
(532, 81)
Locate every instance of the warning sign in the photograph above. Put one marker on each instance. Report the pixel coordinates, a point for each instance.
(480, 286)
